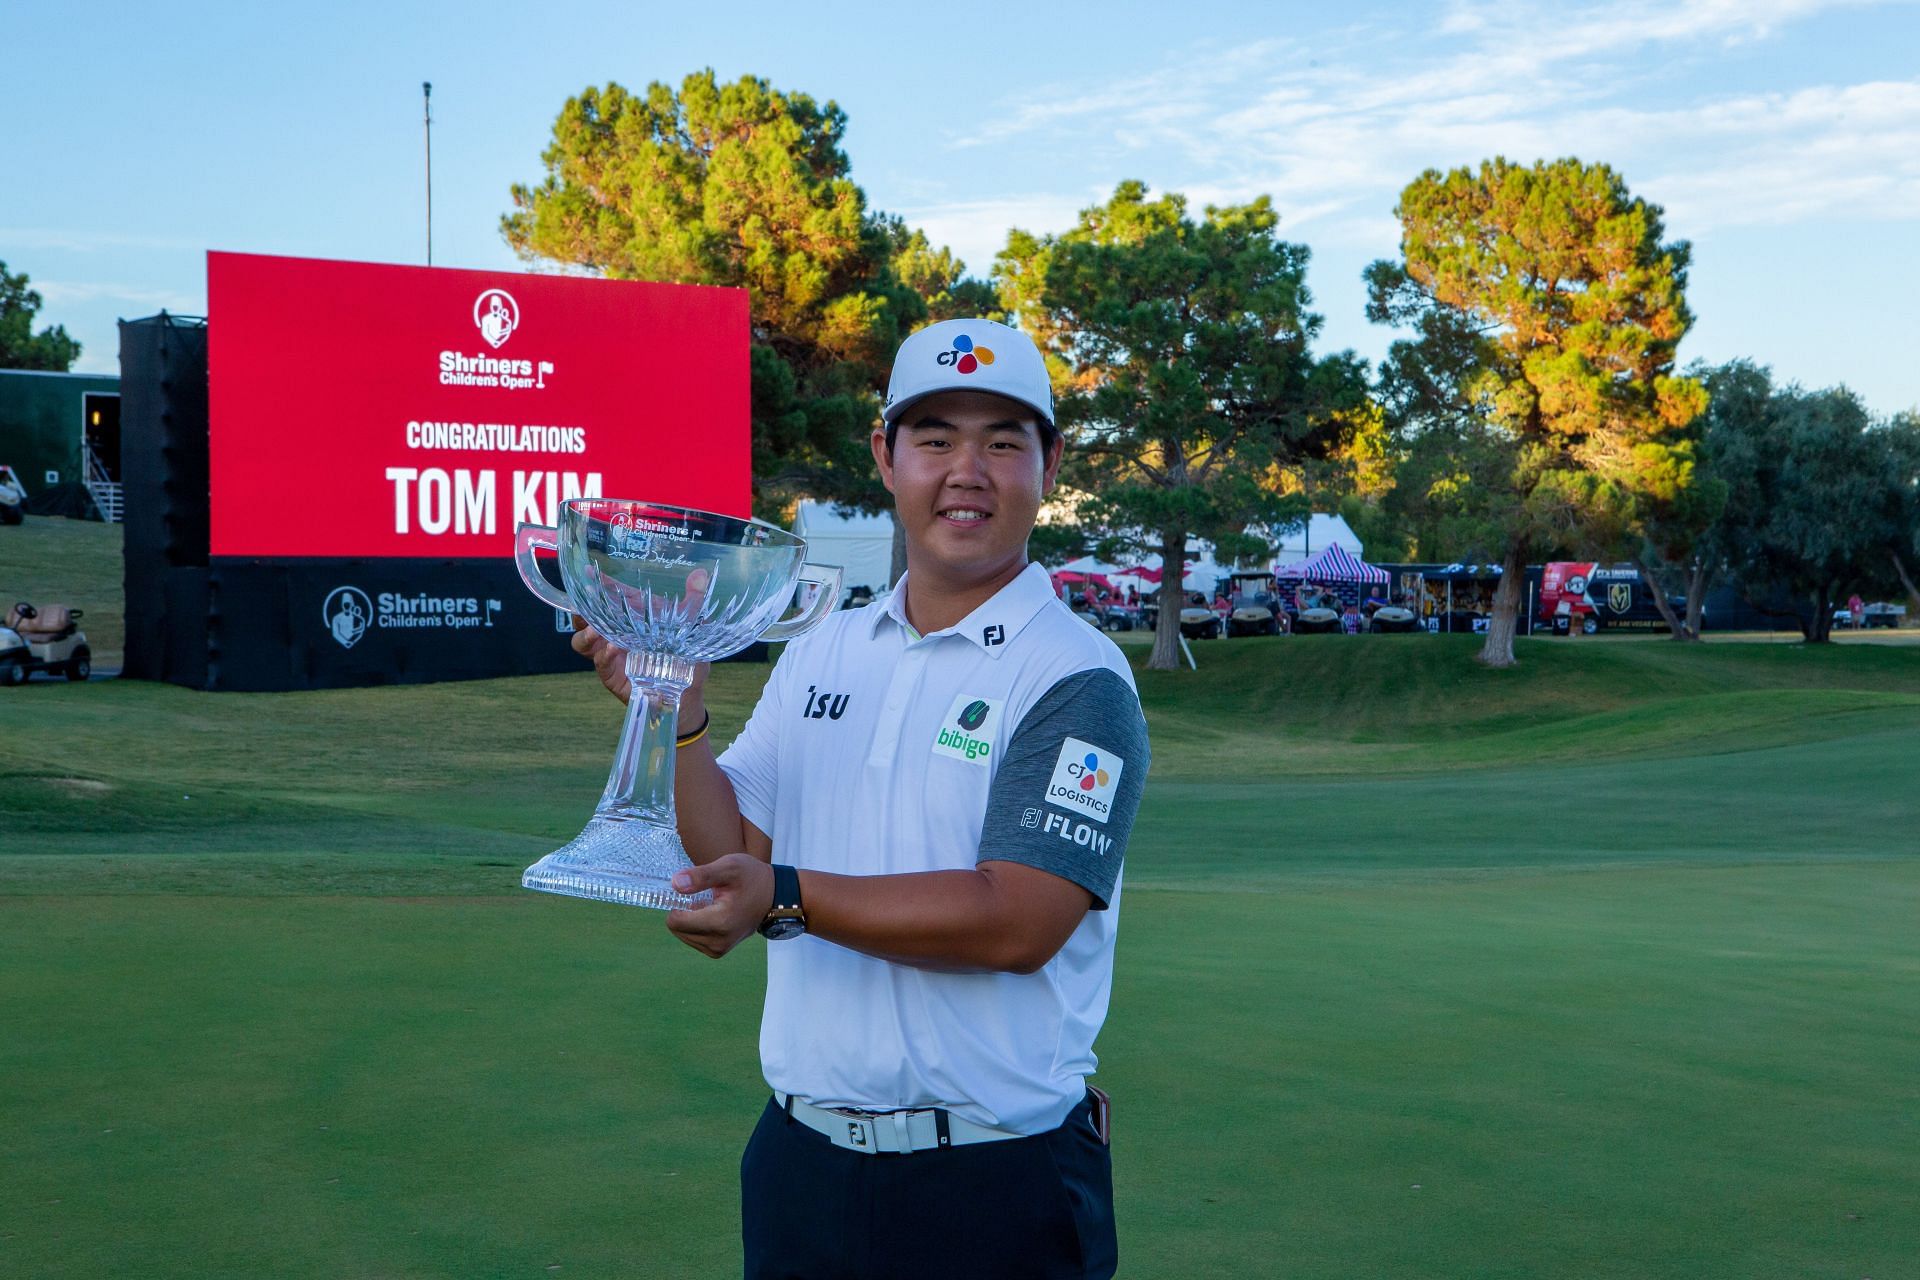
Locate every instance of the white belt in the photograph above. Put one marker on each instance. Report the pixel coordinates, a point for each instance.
(890, 1132)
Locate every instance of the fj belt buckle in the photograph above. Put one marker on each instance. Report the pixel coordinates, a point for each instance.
(864, 1132)
(860, 1134)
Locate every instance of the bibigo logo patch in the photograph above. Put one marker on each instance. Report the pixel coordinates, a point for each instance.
(963, 355)
(968, 729)
(1084, 779)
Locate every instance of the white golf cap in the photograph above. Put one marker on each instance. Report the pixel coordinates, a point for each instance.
(969, 355)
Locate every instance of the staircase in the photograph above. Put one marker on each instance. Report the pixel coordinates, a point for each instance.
(106, 492)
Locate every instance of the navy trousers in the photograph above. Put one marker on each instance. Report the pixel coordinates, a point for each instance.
(1039, 1207)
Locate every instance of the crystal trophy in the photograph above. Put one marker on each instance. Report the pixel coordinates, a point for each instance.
(673, 587)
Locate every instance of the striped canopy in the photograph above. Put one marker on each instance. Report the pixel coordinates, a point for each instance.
(1335, 564)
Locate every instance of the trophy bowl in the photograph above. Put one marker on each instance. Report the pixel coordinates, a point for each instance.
(673, 587)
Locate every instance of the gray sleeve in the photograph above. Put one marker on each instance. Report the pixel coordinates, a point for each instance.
(1069, 784)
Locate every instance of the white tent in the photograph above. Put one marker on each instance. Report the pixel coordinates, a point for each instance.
(1301, 542)
(1320, 531)
(862, 545)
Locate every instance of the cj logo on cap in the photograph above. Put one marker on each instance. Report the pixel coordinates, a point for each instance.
(964, 356)
(1084, 779)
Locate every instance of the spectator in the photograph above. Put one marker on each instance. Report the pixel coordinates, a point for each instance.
(1857, 611)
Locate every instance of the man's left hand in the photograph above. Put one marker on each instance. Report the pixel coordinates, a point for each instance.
(742, 895)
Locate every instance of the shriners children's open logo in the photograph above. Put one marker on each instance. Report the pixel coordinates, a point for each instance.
(347, 613)
(497, 315)
(963, 355)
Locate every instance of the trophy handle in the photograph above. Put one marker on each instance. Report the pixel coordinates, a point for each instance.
(525, 538)
(825, 581)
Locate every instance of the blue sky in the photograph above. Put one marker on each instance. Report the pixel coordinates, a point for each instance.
(1781, 136)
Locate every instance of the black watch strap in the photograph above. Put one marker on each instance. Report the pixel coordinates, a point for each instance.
(786, 917)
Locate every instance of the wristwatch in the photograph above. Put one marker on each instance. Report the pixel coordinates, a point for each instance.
(786, 918)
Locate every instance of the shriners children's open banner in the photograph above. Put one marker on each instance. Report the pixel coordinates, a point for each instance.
(368, 411)
(365, 438)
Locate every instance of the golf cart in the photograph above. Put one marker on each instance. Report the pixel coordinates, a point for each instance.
(1198, 622)
(1318, 611)
(13, 497)
(1317, 621)
(1393, 618)
(46, 639)
(1256, 610)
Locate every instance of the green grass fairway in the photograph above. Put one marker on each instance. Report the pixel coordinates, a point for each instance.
(1604, 967)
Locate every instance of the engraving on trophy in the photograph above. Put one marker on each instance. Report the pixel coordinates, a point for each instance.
(631, 537)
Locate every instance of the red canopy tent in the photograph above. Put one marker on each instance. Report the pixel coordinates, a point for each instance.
(1150, 575)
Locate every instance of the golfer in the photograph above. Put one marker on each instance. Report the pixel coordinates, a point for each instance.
(926, 816)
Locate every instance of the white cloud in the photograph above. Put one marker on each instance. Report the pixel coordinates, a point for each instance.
(64, 293)
(1335, 138)
(87, 241)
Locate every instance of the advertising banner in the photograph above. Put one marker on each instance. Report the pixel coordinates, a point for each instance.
(321, 624)
(365, 411)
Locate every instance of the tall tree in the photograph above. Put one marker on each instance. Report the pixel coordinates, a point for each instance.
(1182, 371)
(1681, 540)
(1448, 462)
(1813, 493)
(747, 185)
(1564, 312)
(1903, 543)
(50, 350)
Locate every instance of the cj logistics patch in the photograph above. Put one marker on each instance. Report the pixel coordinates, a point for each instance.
(1084, 779)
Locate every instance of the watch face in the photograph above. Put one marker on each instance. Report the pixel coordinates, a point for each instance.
(785, 927)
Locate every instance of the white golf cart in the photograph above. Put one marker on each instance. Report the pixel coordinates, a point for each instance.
(48, 639)
(13, 497)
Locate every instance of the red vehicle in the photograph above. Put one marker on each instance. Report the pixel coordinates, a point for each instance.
(1595, 596)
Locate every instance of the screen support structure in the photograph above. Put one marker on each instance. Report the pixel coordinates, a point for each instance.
(426, 100)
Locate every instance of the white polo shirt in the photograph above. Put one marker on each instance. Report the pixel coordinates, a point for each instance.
(1015, 735)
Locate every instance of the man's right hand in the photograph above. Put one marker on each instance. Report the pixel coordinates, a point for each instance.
(610, 663)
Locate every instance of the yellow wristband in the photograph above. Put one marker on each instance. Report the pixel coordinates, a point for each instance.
(696, 735)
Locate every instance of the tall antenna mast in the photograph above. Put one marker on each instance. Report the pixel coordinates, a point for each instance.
(426, 99)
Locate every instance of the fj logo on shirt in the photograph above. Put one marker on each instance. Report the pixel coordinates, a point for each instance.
(1084, 779)
(993, 635)
(967, 731)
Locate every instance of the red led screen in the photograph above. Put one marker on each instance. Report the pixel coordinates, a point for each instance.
(362, 410)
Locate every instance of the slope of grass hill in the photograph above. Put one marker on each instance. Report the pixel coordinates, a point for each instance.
(1602, 968)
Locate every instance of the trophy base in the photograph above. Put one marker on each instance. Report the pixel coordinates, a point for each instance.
(625, 860)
